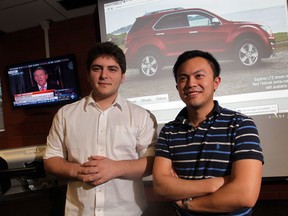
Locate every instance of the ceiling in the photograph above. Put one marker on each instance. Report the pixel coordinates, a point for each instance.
(17, 15)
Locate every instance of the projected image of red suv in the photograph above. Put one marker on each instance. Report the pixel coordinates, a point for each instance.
(157, 38)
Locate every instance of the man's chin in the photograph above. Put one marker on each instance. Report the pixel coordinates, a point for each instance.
(193, 103)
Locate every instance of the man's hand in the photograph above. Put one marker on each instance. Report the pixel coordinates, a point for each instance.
(98, 170)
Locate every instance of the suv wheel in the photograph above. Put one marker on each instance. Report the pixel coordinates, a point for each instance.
(149, 64)
(247, 53)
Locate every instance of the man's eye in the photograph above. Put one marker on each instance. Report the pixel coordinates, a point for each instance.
(182, 78)
(113, 69)
(96, 69)
(199, 75)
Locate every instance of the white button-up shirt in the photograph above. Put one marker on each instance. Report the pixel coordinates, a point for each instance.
(124, 131)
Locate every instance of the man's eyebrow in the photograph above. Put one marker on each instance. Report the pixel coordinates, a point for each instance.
(200, 71)
(194, 72)
(97, 65)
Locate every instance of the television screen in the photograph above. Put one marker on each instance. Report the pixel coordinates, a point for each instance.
(249, 38)
(50, 81)
(1, 111)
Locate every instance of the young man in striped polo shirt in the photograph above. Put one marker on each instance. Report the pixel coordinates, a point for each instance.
(209, 159)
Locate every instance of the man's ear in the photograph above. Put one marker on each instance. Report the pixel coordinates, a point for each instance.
(123, 77)
(217, 82)
(176, 87)
(88, 78)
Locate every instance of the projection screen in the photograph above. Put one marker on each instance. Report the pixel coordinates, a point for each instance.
(260, 90)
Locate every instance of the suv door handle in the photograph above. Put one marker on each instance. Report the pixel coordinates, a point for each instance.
(193, 32)
(161, 33)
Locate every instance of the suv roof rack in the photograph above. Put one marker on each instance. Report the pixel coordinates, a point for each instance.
(164, 10)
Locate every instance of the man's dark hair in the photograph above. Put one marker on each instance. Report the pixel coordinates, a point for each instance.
(40, 68)
(193, 54)
(107, 49)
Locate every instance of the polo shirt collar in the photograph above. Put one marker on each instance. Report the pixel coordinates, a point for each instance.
(182, 117)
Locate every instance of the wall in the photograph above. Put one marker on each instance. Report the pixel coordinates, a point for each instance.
(24, 127)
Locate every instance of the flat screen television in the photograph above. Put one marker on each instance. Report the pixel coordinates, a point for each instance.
(58, 74)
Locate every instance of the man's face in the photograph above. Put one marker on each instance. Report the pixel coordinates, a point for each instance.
(105, 78)
(196, 83)
(40, 77)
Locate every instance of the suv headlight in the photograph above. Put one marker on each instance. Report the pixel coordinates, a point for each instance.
(266, 28)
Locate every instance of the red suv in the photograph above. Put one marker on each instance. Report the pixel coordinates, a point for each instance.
(157, 38)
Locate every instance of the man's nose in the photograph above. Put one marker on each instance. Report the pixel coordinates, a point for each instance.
(191, 81)
(104, 73)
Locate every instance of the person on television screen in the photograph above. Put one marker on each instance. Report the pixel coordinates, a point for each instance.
(209, 159)
(103, 144)
(40, 76)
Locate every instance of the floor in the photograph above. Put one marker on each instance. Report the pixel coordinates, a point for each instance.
(51, 202)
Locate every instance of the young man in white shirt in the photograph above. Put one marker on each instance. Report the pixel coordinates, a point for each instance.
(103, 144)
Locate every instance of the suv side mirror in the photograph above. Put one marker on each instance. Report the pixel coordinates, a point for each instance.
(215, 21)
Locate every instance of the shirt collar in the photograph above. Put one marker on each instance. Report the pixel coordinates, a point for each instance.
(119, 102)
(45, 86)
(182, 117)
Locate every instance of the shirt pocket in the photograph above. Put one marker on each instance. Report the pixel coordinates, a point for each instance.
(125, 142)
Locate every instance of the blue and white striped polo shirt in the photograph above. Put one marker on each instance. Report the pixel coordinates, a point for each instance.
(209, 150)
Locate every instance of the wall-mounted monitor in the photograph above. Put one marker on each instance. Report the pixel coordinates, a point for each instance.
(1, 110)
(248, 37)
(44, 82)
